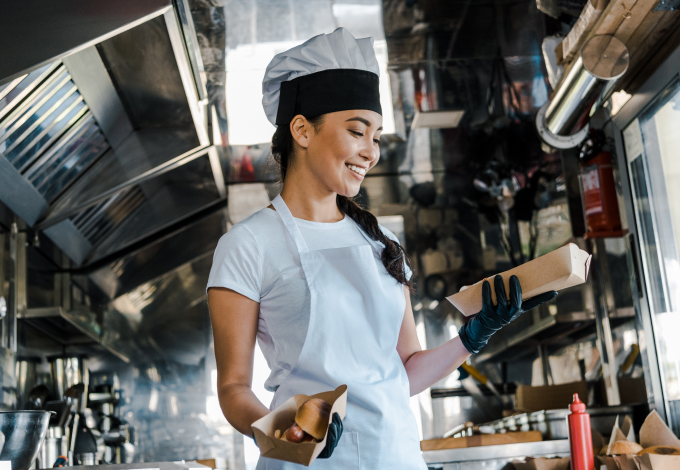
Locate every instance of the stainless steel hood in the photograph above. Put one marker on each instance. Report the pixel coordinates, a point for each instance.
(91, 142)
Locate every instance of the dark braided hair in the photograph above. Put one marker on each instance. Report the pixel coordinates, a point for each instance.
(393, 256)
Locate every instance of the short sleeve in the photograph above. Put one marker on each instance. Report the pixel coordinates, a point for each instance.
(237, 263)
(394, 238)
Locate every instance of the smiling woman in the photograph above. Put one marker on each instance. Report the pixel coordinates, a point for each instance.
(324, 287)
(328, 156)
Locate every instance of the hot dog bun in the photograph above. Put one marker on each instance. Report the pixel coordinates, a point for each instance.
(660, 450)
(624, 447)
(313, 417)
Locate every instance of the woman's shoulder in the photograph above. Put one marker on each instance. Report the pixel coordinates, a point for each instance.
(256, 226)
(258, 233)
(238, 261)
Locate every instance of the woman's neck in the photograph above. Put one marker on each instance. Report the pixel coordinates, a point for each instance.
(308, 201)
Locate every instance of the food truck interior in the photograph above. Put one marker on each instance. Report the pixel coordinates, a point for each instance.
(132, 138)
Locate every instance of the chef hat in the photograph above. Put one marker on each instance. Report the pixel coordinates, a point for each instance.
(328, 73)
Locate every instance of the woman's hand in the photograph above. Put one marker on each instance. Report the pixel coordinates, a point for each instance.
(332, 437)
(477, 331)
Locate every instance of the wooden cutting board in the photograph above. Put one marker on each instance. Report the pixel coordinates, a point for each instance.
(481, 440)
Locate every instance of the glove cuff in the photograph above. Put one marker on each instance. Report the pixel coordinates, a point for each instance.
(462, 333)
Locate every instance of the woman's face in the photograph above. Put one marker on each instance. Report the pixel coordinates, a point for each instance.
(343, 149)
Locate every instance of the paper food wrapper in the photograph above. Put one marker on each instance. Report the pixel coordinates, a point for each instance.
(565, 267)
(641, 462)
(542, 464)
(283, 417)
(621, 433)
(653, 432)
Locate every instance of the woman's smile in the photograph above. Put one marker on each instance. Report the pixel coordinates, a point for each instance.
(357, 172)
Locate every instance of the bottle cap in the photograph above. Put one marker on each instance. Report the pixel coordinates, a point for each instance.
(577, 405)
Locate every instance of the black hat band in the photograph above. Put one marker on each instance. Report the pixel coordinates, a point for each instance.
(328, 91)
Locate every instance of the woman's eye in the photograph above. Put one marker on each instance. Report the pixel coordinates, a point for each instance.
(359, 134)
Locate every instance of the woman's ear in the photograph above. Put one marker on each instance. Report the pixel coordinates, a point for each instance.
(300, 129)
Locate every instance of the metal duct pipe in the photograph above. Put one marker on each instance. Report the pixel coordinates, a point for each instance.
(562, 122)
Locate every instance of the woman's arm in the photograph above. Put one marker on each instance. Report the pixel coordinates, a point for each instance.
(425, 368)
(234, 321)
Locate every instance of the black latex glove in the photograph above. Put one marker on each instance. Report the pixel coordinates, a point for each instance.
(463, 373)
(477, 331)
(333, 436)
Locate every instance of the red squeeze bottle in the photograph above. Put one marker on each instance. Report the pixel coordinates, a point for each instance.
(580, 438)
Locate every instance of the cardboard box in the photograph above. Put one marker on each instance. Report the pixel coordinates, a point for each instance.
(549, 397)
(565, 267)
(632, 390)
(283, 417)
(572, 43)
(481, 440)
(216, 463)
(653, 432)
(555, 463)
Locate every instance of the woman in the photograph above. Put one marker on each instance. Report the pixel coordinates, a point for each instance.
(322, 286)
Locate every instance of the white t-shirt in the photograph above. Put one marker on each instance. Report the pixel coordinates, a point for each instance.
(258, 259)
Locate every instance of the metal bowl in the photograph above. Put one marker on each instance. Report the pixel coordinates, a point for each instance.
(24, 432)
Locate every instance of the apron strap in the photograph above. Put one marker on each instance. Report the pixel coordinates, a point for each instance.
(288, 221)
(377, 246)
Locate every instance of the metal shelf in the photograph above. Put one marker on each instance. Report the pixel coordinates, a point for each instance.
(508, 451)
(77, 326)
(551, 330)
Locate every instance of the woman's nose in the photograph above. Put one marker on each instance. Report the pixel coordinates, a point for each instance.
(370, 153)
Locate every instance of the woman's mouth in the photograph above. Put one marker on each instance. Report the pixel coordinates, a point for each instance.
(357, 171)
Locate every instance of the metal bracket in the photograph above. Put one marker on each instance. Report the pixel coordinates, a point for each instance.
(667, 5)
(557, 141)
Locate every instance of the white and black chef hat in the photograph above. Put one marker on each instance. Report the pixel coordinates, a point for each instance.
(328, 73)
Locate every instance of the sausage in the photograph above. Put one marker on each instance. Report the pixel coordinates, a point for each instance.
(294, 434)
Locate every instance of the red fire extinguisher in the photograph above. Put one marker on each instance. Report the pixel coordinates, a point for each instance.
(600, 202)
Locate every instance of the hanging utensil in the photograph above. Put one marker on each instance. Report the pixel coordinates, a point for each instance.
(37, 397)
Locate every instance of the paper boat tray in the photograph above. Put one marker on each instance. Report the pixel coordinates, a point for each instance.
(565, 267)
(283, 417)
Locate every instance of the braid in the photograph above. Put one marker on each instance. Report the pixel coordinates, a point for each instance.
(393, 256)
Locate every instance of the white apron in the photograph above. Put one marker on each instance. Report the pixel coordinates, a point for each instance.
(354, 323)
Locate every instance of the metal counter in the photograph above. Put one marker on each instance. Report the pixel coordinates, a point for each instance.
(493, 457)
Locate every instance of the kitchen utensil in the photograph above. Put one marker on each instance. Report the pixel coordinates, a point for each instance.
(24, 431)
(27, 378)
(66, 372)
(85, 446)
(78, 395)
(457, 429)
(510, 424)
(522, 422)
(551, 423)
(53, 447)
(37, 397)
(627, 366)
(483, 379)
(61, 409)
(469, 429)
